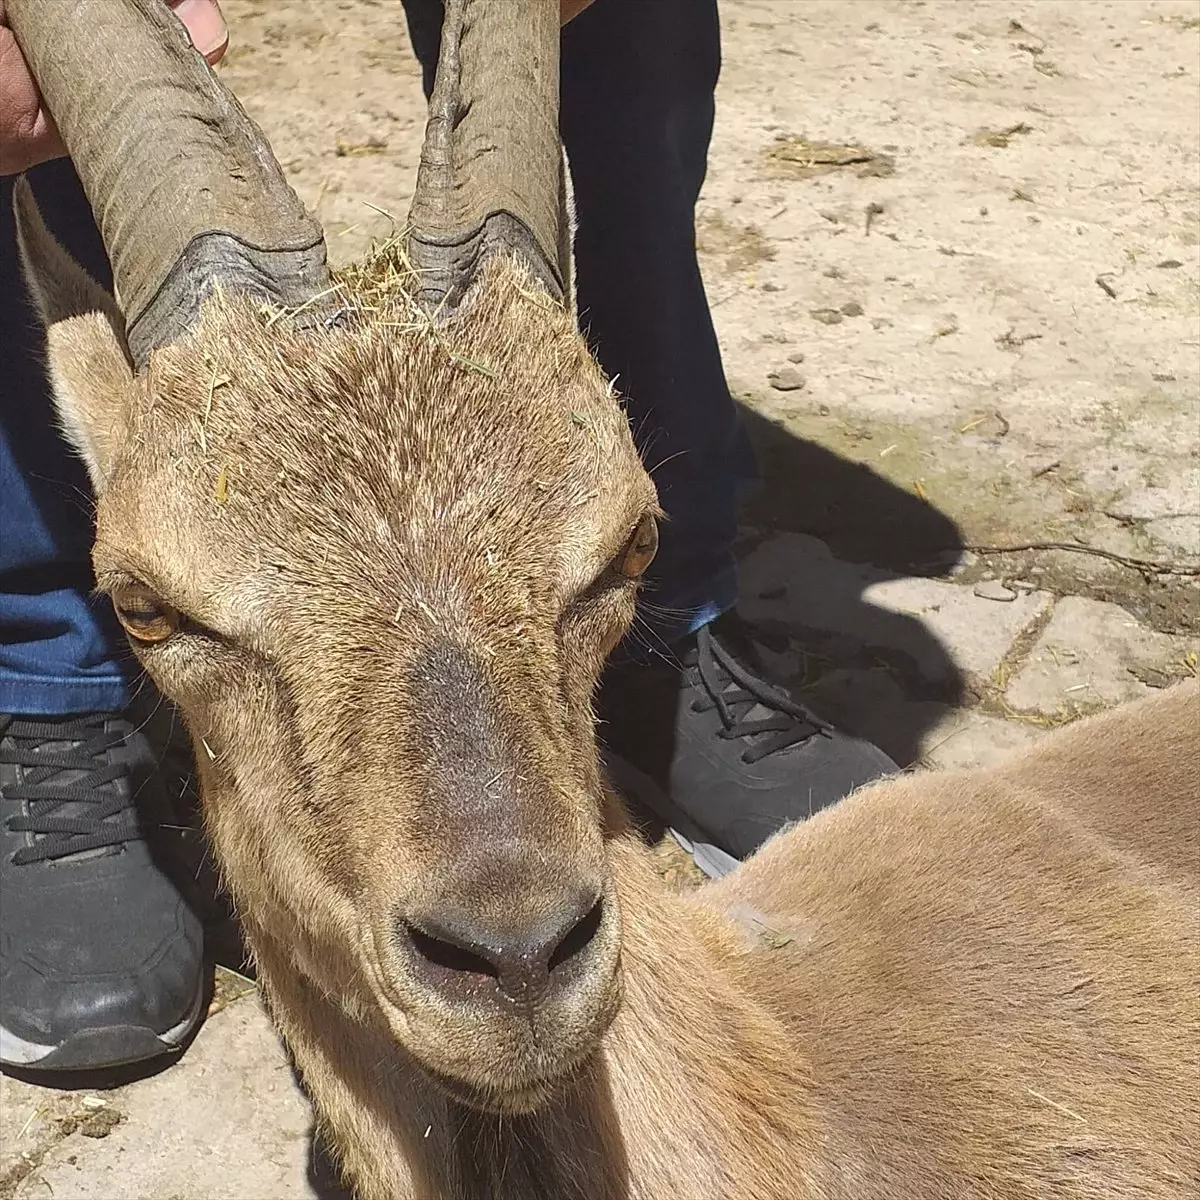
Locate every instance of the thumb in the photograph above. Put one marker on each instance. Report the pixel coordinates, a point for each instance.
(205, 25)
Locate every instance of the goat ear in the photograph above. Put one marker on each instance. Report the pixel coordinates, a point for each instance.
(87, 357)
(567, 227)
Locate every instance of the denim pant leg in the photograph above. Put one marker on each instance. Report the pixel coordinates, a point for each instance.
(60, 649)
(638, 78)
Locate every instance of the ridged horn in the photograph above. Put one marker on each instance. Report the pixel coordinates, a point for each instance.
(184, 187)
(491, 175)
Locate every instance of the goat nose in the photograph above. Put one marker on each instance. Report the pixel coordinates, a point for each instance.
(456, 954)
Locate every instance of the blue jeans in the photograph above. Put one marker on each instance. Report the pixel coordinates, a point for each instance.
(638, 79)
(60, 648)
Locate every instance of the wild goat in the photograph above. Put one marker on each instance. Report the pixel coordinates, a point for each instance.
(376, 540)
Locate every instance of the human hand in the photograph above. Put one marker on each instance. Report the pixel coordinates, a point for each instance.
(27, 133)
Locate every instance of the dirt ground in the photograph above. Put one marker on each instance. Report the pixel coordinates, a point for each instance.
(953, 253)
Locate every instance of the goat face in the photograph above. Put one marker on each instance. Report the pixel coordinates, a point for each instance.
(379, 572)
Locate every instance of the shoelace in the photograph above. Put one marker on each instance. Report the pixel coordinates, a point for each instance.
(735, 692)
(100, 816)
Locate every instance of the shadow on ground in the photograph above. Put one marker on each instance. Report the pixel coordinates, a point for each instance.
(878, 672)
(861, 516)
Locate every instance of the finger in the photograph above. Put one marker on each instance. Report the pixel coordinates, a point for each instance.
(39, 145)
(205, 25)
(27, 135)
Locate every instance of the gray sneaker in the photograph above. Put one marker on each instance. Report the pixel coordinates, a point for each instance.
(718, 752)
(101, 956)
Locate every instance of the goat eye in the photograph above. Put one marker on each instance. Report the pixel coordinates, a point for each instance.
(638, 553)
(146, 617)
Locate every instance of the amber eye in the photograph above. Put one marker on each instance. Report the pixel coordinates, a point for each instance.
(639, 551)
(145, 616)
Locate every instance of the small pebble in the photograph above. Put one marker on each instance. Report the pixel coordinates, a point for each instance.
(770, 286)
(786, 379)
(827, 316)
(798, 357)
(993, 589)
(852, 308)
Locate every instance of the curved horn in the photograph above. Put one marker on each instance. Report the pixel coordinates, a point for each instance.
(491, 174)
(185, 189)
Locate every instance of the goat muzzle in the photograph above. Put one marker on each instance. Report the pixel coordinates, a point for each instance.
(501, 1001)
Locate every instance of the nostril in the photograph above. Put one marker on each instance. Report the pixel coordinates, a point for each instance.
(578, 937)
(456, 952)
(447, 955)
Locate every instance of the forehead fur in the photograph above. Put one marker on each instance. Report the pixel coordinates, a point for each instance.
(365, 449)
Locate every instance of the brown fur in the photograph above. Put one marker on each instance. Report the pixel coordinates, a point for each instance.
(391, 547)
(981, 984)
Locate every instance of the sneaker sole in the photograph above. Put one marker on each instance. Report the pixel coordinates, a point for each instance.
(103, 1047)
(627, 779)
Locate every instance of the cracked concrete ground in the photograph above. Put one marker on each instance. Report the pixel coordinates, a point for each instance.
(952, 250)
